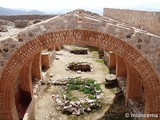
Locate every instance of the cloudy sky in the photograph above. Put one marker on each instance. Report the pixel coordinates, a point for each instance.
(75, 4)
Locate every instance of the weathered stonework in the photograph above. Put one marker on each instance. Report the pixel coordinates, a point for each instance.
(149, 21)
(148, 44)
(25, 17)
(138, 49)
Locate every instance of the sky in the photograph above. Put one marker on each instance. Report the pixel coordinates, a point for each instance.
(50, 5)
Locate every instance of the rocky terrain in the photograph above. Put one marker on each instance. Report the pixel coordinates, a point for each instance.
(11, 25)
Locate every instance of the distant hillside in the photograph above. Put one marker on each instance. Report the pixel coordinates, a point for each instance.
(35, 12)
(6, 11)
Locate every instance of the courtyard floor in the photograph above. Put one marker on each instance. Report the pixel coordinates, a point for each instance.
(47, 109)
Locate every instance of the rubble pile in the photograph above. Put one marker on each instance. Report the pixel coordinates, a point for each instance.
(122, 83)
(74, 105)
(136, 105)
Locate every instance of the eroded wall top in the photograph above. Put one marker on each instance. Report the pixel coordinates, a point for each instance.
(149, 21)
(146, 43)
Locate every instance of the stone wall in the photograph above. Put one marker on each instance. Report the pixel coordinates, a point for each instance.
(146, 43)
(149, 21)
(137, 48)
(80, 37)
(25, 17)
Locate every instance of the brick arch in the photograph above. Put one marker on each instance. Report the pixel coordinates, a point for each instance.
(82, 37)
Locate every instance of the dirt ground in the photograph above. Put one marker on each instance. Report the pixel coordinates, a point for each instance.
(12, 31)
(46, 108)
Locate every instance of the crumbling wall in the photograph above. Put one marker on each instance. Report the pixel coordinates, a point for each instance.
(149, 21)
(25, 17)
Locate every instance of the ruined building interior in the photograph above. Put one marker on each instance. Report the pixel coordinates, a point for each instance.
(131, 46)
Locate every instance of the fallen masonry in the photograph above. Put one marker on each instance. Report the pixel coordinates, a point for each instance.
(70, 104)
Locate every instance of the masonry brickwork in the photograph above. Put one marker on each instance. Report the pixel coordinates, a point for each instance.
(139, 50)
(149, 21)
(103, 41)
(120, 66)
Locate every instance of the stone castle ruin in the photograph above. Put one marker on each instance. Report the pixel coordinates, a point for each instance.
(131, 37)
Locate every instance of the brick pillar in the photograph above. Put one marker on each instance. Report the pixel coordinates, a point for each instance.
(111, 59)
(134, 84)
(25, 89)
(26, 78)
(36, 66)
(120, 67)
(47, 59)
(57, 47)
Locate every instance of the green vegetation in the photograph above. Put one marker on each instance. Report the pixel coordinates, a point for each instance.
(78, 89)
(86, 86)
(91, 97)
(100, 60)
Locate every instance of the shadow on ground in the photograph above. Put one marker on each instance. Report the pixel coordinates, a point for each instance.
(117, 110)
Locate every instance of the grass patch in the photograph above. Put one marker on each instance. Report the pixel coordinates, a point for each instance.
(100, 60)
(86, 86)
(82, 88)
(91, 97)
